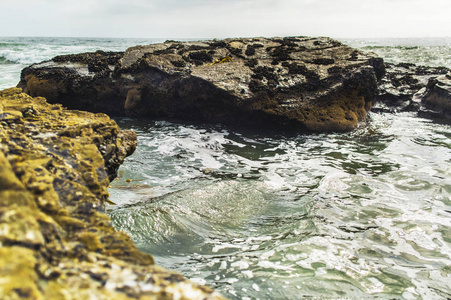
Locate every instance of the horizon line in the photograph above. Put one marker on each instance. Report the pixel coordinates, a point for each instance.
(222, 38)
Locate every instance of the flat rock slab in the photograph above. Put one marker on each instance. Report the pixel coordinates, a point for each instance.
(316, 84)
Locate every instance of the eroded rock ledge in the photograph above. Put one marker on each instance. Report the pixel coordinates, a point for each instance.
(408, 87)
(317, 84)
(56, 241)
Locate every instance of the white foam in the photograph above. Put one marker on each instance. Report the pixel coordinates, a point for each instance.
(248, 273)
(242, 265)
(333, 182)
(198, 280)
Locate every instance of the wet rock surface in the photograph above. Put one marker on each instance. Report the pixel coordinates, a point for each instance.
(438, 94)
(56, 242)
(408, 87)
(316, 84)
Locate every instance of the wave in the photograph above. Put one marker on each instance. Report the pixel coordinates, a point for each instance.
(11, 45)
(27, 55)
(36, 53)
(5, 61)
(391, 47)
(18, 57)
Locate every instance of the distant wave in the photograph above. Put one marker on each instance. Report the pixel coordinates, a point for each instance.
(8, 56)
(5, 61)
(10, 45)
(391, 47)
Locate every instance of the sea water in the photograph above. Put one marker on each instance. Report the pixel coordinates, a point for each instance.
(270, 215)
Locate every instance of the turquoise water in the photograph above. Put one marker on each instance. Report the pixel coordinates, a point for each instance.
(363, 215)
(268, 215)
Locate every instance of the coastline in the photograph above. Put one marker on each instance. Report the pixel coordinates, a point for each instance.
(88, 240)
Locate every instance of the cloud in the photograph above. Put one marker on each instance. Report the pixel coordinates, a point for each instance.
(214, 18)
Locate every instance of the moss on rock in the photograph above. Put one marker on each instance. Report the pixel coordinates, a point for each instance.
(56, 240)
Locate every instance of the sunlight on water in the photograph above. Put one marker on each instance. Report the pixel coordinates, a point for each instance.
(358, 215)
(432, 52)
(362, 215)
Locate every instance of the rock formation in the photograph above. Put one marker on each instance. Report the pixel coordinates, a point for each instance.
(309, 83)
(404, 86)
(56, 242)
(438, 94)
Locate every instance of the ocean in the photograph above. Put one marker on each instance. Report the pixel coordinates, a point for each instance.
(268, 215)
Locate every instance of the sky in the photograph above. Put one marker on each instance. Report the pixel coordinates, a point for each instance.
(226, 18)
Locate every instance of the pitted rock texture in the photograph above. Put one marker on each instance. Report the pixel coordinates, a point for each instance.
(317, 84)
(56, 242)
(404, 85)
(438, 94)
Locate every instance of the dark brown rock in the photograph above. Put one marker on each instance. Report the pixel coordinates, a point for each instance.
(438, 94)
(309, 83)
(403, 85)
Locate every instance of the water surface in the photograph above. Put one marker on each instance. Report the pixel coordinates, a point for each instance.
(365, 214)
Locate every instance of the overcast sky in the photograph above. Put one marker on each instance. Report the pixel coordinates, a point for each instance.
(226, 18)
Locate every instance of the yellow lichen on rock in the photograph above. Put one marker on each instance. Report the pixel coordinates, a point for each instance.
(56, 242)
(222, 60)
(18, 279)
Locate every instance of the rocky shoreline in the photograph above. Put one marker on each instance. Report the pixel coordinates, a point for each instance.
(56, 240)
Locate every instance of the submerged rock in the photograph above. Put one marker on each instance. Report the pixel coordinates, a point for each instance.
(56, 242)
(317, 84)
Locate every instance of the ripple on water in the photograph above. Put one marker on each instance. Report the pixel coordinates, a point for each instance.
(358, 215)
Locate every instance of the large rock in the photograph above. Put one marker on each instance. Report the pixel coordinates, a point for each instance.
(438, 94)
(403, 86)
(312, 83)
(56, 242)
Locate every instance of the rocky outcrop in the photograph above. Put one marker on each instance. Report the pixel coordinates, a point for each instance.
(311, 83)
(56, 242)
(438, 94)
(404, 86)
